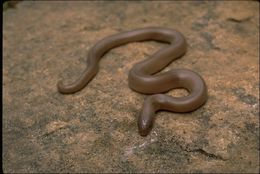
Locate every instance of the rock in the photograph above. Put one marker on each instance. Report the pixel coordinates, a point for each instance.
(95, 130)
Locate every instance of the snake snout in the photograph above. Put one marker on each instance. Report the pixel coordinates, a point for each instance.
(145, 124)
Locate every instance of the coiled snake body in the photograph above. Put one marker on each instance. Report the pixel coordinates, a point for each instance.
(143, 78)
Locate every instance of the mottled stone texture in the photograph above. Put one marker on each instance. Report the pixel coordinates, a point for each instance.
(95, 130)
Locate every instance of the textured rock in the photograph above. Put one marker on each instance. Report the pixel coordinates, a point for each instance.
(95, 130)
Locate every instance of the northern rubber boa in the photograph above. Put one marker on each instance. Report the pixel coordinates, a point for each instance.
(142, 77)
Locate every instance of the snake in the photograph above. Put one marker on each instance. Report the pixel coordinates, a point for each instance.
(145, 77)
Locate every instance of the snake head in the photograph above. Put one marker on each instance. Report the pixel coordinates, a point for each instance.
(145, 121)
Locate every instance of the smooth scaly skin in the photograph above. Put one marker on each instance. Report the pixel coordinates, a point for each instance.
(142, 77)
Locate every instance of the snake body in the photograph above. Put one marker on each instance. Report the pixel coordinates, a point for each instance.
(143, 78)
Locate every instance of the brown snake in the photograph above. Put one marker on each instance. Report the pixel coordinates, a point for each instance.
(143, 78)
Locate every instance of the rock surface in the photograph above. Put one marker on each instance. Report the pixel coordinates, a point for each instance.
(95, 130)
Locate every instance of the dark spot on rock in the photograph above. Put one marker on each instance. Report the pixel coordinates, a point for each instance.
(240, 28)
(121, 15)
(244, 97)
(91, 28)
(198, 3)
(212, 126)
(209, 38)
(198, 26)
(198, 171)
(210, 14)
(167, 148)
(209, 155)
(102, 144)
(199, 143)
(239, 20)
(204, 116)
(126, 166)
(10, 4)
(161, 149)
(88, 114)
(126, 126)
(95, 125)
(252, 128)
